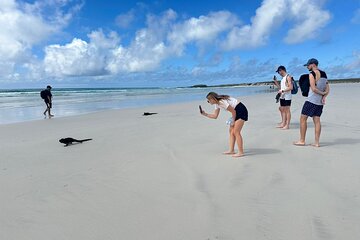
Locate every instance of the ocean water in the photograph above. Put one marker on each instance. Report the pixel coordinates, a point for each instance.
(20, 105)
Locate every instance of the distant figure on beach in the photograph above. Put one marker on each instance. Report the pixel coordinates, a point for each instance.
(239, 115)
(47, 96)
(313, 106)
(284, 92)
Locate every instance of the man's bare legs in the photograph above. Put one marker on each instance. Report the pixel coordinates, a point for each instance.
(283, 116)
(231, 141)
(282, 120)
(303, 128)
(287, 119)
(239, 141)
(48, 110)
(317, 124)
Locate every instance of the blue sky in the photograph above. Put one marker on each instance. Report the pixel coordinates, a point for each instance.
(80, 43)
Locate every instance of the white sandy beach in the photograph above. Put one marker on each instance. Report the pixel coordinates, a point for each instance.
(163, 177)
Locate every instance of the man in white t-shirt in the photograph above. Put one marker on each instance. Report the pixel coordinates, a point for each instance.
(285, 88)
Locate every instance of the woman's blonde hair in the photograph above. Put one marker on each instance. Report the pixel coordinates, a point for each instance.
(216, 96)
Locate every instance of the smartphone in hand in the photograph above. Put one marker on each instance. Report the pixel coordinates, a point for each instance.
(274, 78)
(201, 111)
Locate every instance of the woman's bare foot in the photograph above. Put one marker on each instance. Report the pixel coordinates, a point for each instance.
(299, 143)
(238, 155)
(285, 128)
(229, 153)
(315, 145)
(280, 126)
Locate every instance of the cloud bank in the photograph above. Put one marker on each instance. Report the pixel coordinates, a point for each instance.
(161, 39)
(307, 18)
(24, 25)
(165, 36)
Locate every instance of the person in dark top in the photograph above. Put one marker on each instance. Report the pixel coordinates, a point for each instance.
(48, 101)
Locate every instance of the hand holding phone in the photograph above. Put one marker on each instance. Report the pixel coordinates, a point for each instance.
(201, 111)
(274, 78)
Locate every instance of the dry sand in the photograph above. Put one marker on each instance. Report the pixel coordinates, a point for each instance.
(163, 177)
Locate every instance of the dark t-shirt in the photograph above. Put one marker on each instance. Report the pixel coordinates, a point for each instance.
(47, 94)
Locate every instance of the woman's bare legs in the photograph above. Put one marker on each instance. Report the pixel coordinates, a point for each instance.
(239, 141)
(231, 141)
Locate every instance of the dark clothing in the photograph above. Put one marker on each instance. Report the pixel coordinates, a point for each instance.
(48, 97)
(241, 112)
(311, 109)
(284, 102)
(47, 94)
(304, 83)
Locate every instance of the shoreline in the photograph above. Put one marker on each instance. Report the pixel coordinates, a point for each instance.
(249, 84)
(30, 108)
(40, 118)
(269, 83)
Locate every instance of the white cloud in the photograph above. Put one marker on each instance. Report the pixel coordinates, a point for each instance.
(164, 38)
(23, 26)
(340, 68)
(270, 15)
(147, 49)
(161, 39)
(19, 30)
(126, 19)
(356, 18)
(79, 57)
(356, 62)
(309, 19)
(202, 29)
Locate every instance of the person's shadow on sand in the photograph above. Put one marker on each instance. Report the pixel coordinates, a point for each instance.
(341, 141)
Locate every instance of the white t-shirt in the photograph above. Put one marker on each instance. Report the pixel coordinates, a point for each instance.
(285, 95)
(224, 103)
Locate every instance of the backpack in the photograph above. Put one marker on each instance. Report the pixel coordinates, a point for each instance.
(304, 83)
(43, 94)
(295, 86)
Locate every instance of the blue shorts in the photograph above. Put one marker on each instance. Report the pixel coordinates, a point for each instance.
(311, 109)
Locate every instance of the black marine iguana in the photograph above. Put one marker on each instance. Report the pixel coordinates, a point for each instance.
(67, 141)
(148, 113)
